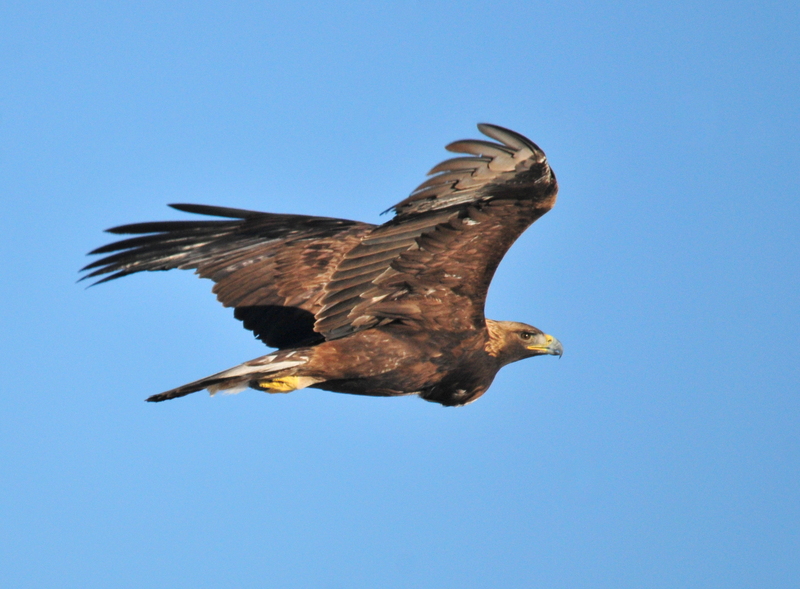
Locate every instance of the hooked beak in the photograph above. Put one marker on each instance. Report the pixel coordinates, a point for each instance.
(550, 346)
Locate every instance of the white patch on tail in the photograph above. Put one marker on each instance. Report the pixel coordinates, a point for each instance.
(236, 377)
(220, 388)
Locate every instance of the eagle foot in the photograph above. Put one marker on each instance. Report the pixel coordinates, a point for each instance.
(285, 384)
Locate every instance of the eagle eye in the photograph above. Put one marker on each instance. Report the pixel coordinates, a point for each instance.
(526, 335)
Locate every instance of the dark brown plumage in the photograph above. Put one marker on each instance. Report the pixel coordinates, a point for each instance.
(387, 310)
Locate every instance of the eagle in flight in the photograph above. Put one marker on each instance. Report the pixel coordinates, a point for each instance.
(381, 310)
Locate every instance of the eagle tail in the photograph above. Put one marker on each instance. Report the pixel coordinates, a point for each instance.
(263, 373)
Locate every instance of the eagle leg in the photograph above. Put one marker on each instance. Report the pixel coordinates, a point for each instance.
(284, 384)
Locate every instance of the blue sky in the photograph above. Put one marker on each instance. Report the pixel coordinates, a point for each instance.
(660, 451)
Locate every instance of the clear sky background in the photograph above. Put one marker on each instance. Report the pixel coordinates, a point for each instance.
(661, 451)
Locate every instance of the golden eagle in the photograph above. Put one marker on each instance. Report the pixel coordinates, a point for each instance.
(386, 310)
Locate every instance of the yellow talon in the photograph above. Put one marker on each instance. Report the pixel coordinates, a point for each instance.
(286, 384)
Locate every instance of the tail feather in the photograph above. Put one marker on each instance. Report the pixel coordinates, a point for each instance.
(239, 377)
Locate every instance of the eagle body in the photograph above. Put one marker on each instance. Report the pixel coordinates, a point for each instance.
(449, 368)
(379, 310)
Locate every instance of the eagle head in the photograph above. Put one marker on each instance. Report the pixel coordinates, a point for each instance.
(509, 341)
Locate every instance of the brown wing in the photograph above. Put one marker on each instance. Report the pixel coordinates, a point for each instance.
(432, 264)
(271, 268)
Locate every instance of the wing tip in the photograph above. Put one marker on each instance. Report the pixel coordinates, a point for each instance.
(510, 138)
(215, 211)
(456, 175)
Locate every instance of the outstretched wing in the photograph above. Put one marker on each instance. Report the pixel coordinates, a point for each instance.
(432, 264)
(271, 268)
